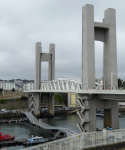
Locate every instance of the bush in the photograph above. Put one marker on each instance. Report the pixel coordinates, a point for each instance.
(2, 101)
(58, 98)
(1, 90)
(17, 99)
(13, 90)
(24, 97)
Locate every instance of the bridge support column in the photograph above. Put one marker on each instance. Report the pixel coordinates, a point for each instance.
(50, 107)
(87, 113)
(89, 103)
(37, 104)
(111, 115)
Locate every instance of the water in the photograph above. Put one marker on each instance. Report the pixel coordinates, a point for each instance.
(25, 130)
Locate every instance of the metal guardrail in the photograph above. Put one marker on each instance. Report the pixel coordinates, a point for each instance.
(84, 140)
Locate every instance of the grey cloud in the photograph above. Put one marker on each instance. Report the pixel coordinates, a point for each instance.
(23, 23)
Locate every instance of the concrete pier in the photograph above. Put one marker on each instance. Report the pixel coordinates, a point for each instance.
(87, 114)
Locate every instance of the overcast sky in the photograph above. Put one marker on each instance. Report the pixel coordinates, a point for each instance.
(25, 22)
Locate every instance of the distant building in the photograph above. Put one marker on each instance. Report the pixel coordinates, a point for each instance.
(7, 85)
(72, 100)
(28, 86)
(72, 79)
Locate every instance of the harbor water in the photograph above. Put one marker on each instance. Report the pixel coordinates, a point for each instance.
(26, 130)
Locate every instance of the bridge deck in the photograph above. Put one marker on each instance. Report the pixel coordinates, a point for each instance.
(90, 91)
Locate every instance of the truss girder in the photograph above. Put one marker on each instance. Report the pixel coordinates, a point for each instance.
(61, 85)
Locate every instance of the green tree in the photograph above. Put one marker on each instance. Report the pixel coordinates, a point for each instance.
(24, 97)
(124, 84)
(119, 83)
(1, 90)
(65, 98)
(13, 90)
(58, 98)
(2, 101)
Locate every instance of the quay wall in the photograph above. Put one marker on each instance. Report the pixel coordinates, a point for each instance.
(13, 104)
(11, 115)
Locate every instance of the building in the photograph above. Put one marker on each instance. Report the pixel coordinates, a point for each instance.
(28, 86)
(7, 85)
(72, 100)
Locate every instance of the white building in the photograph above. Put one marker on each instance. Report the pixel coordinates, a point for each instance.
(7, 85)
(71, 79)
(28, 86)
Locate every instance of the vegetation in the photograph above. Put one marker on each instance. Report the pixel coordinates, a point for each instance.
(121, 83)
(2, 101)
(65, 98)
(13, 90)
(24, 97)
(58, 98)
(1, 90)
(17, 99)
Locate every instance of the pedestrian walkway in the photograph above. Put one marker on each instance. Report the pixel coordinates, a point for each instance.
(56, 130)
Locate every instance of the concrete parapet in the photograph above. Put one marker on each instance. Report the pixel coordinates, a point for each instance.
(112, 146)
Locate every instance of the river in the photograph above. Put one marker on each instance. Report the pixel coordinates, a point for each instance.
(25, 130)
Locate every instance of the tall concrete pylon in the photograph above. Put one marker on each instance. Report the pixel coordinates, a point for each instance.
(44, 57)
(106, 33)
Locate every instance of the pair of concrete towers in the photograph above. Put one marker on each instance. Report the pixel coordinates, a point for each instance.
(44, 57)
(106, 33)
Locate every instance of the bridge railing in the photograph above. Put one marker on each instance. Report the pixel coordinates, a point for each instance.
(84, 140)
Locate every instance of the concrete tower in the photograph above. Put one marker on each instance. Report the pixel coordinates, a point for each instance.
(106, 33)
(46, 57)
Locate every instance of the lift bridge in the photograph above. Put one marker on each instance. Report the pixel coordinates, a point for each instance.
(89, 98)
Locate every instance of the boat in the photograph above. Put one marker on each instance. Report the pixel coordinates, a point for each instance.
(35, 140)
(6, 137)
(101, 113)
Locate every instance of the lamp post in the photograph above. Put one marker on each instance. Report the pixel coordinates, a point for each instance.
(111, 79)
(1, 118)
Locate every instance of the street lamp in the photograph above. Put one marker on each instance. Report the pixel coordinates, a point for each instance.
(111, 79)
